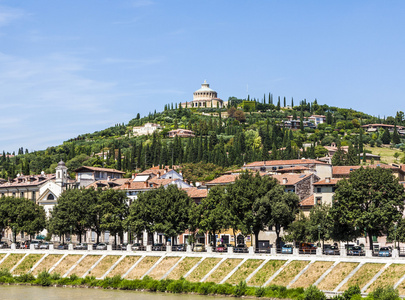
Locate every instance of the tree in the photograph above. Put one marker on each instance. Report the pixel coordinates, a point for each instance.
(298, 231)
(339, 158)
(239, 199)
(114, 210)
(370, 201)
(320, 223)
(166, 210)
(276, 208)
(386, 137)
(213, 213)
(395, 136)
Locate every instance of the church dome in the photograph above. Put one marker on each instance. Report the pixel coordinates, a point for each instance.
(205, 87)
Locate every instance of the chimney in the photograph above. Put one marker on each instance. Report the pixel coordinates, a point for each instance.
(285, 180)
(146, 183)
(327, 179)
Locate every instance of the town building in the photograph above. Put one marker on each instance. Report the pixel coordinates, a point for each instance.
(344, 171)
(180, 133)
(146, 129)
(86, 175)
(204, 97)
(377, 127)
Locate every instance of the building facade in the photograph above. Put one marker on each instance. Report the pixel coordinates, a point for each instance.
(204, 97)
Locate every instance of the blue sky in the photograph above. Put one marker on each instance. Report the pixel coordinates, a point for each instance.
(72, 67)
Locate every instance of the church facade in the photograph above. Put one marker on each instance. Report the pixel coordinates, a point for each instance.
(204, 97)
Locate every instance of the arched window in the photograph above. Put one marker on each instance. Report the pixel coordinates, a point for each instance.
(50, 197)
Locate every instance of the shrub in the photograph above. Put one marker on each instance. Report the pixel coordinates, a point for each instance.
(313, 293)
(240, 289)
(5, 273)
(44, 279)
(351, 291)
(260, 292)
(55, 276)
(26, 278)
(387, 293)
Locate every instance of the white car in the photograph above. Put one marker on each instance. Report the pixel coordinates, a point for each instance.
(101, 246)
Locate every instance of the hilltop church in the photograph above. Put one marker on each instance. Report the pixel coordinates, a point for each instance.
(204, 97)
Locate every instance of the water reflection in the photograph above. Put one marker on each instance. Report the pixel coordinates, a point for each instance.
(13, 292)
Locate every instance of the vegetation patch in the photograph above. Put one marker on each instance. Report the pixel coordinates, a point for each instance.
(123, 266)
(47, 263)
(183, 267)
(85, 265)
(289, 272)
(363, 275)
(389, 277)
(11, 260)
(66, 264)
(203, 269)
(143, 267)
(2, 255)
(27, 264)
(312, 274)
(104, 265)
(336, 276)
(387, 155)
(244, 271)
(224, 269)
(266, 272)
(164, 266)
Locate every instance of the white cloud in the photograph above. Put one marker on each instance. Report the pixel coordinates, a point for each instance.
(7, 15)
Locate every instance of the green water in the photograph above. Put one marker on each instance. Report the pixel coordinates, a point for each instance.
(14, 292)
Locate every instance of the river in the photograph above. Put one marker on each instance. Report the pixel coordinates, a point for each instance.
(13, 292)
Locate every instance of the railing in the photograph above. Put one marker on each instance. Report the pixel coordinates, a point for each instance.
(262, 250)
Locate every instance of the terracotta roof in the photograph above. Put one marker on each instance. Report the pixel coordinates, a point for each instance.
(159, 182)
(28, 180)
(284, 162)
(381, 125)
(345, 170)
(291, 178)
(403, 167)
(131, 185)
(99, 169)
(332, 181)
(296, 168)
(310, 201)
(224, 179)
(195, 192)
(112, 183)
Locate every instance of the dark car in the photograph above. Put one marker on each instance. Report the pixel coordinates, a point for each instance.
(355, 250)
(307, 248)
(331, 250)
(158, 247)
(62, 246)
(3, 245)
(221, 248)
(241, 248)
(137, 247)
(179, 247)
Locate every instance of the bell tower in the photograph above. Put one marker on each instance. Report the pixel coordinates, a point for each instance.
(61, 174)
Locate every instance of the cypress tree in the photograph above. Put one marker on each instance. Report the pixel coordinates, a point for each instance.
(395, 136)
(285, 104)
(292, 102)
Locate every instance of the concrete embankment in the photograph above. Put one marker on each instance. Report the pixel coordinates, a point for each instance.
(332, 274)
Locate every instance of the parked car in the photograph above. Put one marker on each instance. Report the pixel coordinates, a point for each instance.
(62, 246)
(241, 248)
(307, 248)
(287, 249)
(101, 246)
(36, 244)
(137, 247)
(221, 248)
(81, 246)
(44, 245)
(3, 245)
(179, 247)
(199, 248)
(158, 247)
(331, 250)
(385, 252)
(355, 250)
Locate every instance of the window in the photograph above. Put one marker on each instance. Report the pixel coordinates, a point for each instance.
(50, 197)
(21, 194)
(333, 189)
(319, 190)
(318, 200)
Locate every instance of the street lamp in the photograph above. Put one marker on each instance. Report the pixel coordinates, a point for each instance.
(14, 235)
(70, 233)
(319, 234)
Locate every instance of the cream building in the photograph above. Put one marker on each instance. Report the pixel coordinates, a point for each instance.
(204, 97)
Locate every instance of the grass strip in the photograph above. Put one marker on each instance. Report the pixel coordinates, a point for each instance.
(163, 267)
(244, 271)
(312, 274)
(66, 263)
(143, 267)
(363, 275)
(104, 265)
(11, 260)
(289, 272)
(27, 264)
(336, 276)
(123, 266)
(183, 267)
(389, 277)
(224, 269)
(47, 263)
(85, 265)
(203, 269)
(266, 272)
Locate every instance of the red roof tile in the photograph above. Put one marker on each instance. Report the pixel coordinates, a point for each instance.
(310, 201)
(332, 181)
(99, 169)
(195, 192)
(284, 162)
(345, 170)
